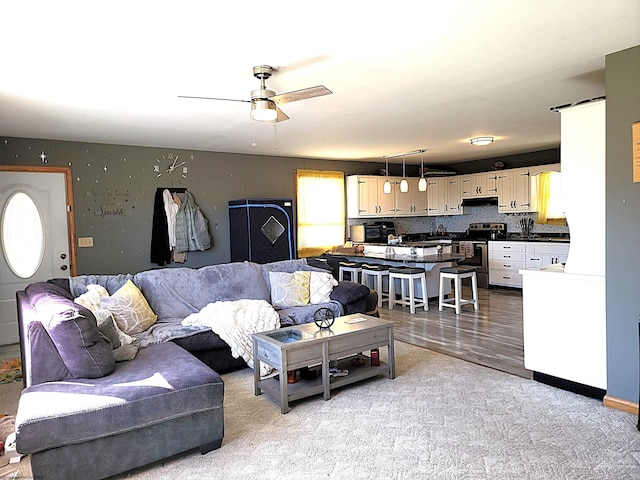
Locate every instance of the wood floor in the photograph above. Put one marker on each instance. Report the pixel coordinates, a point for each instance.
(490, 336)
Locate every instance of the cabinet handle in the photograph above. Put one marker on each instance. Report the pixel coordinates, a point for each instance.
(506, 246)
(506, 266)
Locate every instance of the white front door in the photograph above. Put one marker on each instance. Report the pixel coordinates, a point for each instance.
(34, 238)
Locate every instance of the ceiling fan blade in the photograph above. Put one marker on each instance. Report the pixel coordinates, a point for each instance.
(281, 115)
(213, 98)
(303, 94)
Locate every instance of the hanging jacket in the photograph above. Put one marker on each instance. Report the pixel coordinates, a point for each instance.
(192, 232)
(160, 251)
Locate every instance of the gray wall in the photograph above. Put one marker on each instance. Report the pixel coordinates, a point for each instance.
(623, 226)
(120, 181)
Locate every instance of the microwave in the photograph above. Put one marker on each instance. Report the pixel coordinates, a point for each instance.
(375, 234)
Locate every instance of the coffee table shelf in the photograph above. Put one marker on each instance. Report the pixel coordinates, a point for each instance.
(293, 348)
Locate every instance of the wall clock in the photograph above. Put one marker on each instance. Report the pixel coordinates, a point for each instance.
(173, 165)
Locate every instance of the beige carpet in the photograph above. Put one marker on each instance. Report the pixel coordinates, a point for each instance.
(441, 418)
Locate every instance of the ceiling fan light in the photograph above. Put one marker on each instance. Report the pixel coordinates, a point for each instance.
(481, 141)
(404, 185)
(263, 110)
(422, 184)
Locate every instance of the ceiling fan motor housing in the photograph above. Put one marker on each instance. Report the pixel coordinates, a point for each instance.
(262, 71)
(262, 94)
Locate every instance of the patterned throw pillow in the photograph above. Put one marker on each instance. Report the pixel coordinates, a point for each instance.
(130, 309)
(106, 324)
(320, 287)
(91, 298)
(289, 289)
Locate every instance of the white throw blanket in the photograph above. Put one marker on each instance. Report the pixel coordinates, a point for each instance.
(235, 322)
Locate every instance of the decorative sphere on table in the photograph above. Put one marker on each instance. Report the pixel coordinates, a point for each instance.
(323, 317)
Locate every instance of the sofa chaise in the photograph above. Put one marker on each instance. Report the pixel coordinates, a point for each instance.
(95, 406)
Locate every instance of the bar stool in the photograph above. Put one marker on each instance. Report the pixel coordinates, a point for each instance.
(408, 274)
(352, 268)
(376, 272)
(457, 273)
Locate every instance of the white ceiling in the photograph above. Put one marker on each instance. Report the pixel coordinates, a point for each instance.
(404, 75)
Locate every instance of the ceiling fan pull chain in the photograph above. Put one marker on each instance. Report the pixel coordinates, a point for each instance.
(275, 136)
(254, 144)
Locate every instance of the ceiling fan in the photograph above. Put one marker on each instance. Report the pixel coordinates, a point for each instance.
(264, 102)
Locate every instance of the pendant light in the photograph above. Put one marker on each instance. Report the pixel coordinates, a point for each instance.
(386, 188)
(422, 183)
(404, 185)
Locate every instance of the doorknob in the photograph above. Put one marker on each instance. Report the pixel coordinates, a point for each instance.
(63, 256)
(63, 267)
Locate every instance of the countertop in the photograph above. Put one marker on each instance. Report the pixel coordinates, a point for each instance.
(404, 258)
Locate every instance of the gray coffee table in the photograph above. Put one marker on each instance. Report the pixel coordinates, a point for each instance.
(292, 348)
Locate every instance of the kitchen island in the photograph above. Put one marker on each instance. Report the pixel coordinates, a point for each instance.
(394, 256)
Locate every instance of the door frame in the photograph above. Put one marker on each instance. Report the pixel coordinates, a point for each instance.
(71, 224)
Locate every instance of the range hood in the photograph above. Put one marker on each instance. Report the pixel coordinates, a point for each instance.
(479, 202)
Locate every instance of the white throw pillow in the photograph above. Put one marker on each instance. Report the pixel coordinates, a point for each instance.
(320, 287)
(289, 289)
(91, 298)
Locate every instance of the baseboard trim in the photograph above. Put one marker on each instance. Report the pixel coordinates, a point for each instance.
(579, 388)
(620, 404)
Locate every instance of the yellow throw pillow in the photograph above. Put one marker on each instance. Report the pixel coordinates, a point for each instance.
(130, 309)
(289, 289)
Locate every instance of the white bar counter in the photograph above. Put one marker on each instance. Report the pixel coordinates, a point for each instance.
(564, 322)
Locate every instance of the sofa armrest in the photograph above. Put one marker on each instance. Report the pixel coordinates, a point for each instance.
(349, 292)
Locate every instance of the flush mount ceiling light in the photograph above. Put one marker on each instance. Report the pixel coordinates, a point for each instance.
(263, 110)
(481, 141)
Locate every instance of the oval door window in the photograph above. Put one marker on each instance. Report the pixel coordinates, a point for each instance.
(22, 235)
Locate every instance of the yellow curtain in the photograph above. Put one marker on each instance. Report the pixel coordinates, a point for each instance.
(544, 196)
(320, 211)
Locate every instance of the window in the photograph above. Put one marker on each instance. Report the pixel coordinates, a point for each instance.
(22, 235)
(549, 190)
(320, 211)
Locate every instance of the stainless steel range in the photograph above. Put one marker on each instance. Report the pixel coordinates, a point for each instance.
(474, 246)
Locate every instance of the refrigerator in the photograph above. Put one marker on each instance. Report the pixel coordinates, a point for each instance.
(262, 230)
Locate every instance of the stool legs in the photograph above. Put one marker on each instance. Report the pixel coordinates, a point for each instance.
(409, 299)
(378, 284)
(474, 289)
(457, 300)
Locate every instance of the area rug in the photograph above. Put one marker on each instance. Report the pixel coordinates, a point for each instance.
(10, 370)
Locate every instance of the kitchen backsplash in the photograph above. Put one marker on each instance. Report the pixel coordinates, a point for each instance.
(459, 223)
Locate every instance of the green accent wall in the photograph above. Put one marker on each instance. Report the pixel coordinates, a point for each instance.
(623, 225)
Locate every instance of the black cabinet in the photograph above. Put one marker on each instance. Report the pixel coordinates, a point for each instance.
(262, 230)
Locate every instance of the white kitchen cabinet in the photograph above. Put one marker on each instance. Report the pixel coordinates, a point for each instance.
(478, 185)
(366, 197)
(412, 203)
(514, 190)
(506, 259)
(363, 193)
(444, 196)
(541, 254)
(437, 195)
(454, 196)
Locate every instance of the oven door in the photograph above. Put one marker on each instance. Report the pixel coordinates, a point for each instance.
(477, 257)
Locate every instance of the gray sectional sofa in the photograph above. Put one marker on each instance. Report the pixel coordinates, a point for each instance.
(85, 415)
